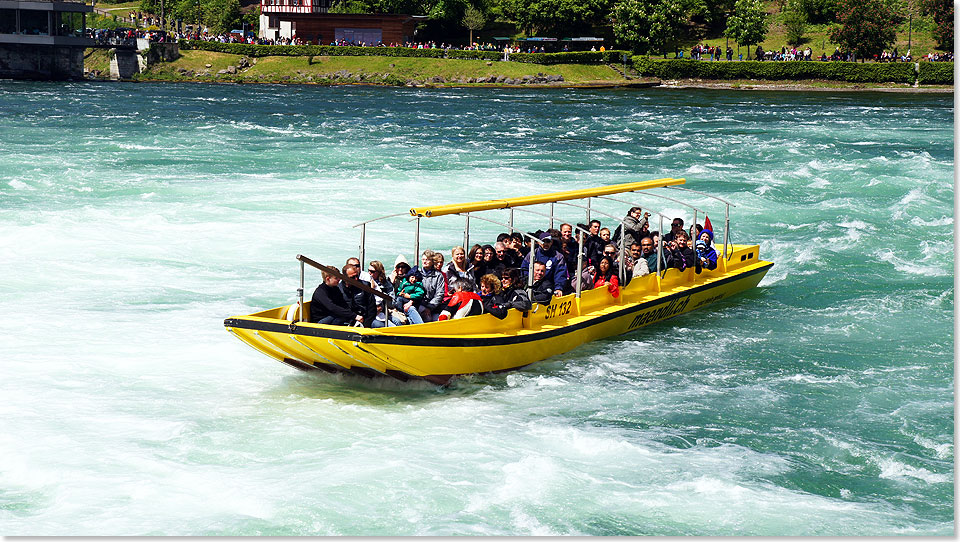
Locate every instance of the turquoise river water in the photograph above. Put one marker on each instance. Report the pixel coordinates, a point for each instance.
(135, 217)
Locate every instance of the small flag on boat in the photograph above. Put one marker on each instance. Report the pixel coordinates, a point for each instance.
(707, 224)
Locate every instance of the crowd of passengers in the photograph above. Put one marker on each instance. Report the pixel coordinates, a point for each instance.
(493, 278)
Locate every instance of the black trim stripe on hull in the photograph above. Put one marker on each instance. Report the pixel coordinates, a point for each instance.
(405, 340)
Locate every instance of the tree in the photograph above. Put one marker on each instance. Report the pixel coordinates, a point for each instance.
(818, 11)
(473, 19)
(221, 15)
(645, 26)
(867, 27)
(795, 21)
(348, 7)
(942, 11)
(632, 24)
(556, 16)
(665, 25)
(748, 24)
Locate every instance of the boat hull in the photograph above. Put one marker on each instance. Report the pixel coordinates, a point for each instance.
(482, 344)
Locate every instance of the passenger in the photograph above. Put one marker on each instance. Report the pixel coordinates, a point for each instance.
(458, 267)
(513, 293)
(355, 262)
(555, 267)
(636, 264)
(410, 294)
(685, 257)
(475, 258)
(399, 274)
(327, 306)
(507, 257)
(438, 265)
(380, 282)
(358, 301)
(705, 251)
(519, 244)
(605, 276)
(568, 246)
(491, 263)
(593, 245)
(543, 289)
(675, 228)
(605, 235)
(490, 294)
(434, 285)
(649, 252)
(462, 303)
(513, 248)
(634, 223)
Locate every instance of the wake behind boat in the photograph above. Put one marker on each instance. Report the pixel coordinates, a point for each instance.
(437, 351)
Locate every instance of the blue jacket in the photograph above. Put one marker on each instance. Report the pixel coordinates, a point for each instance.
(556, 273)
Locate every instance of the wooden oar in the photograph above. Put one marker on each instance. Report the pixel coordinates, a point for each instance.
(336, 272)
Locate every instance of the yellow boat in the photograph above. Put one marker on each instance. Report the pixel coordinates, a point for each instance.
(439, 351)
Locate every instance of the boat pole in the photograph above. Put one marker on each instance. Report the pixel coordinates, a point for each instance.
(660, 248)
(551, 215)
(533, 258)
(579, 277)
(416, 244)
(588, 211)
(300, 293)
(466, 234)
(511, 220)
(726, 226)
(363, 244)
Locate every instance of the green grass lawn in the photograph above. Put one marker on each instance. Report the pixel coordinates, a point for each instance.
(275, 68)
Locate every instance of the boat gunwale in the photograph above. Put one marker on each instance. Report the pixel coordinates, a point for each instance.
(372, 337)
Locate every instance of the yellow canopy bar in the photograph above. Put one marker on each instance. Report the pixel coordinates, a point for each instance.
(441, 210)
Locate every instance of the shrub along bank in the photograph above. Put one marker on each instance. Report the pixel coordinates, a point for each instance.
(252, 50)
(849, 72)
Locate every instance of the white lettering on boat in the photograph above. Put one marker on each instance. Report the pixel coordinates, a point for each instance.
(675, 306)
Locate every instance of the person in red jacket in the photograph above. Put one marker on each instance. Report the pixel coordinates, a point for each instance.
(606, 277)
(462, 303)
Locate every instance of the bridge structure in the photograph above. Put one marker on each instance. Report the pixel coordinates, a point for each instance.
(43, 39)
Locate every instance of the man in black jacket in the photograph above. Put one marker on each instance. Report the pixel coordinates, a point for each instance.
(360, 303)
(328, 305)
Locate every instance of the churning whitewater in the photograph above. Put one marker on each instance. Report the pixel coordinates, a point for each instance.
(135, 217)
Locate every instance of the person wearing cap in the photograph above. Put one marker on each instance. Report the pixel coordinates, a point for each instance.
(705, 251)
(555, 269)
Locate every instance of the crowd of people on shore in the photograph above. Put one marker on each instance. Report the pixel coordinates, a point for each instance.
(493, 278)
(697, 52)
(790, 54)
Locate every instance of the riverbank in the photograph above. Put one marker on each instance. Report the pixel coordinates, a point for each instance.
(216, 67)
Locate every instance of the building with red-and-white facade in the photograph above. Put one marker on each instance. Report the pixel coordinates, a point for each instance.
(310, 21)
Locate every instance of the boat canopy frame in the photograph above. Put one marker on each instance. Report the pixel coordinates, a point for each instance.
(554, 198)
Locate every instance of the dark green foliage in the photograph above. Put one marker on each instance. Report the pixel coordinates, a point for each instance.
(867, 27)
(818, 11)
(942, 11)
(582, 57)
(795, 21)
(556, 17)
(936, 73)
(748, 24)
(649, 26)
(776, 71)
